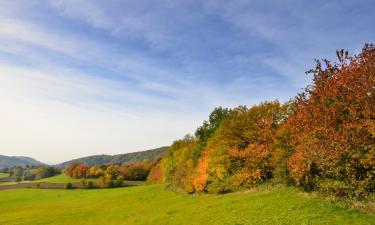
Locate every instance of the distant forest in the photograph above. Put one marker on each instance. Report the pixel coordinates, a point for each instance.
(127, 158)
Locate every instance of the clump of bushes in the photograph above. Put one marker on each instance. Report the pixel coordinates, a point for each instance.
(110, 175)
(86, 184)
(109, 182)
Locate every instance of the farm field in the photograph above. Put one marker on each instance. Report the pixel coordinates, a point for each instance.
(154, 205)
(3, 175)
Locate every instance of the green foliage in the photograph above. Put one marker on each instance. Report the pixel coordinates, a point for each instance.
(239, 153)
(178, 163)
(68, 186)
(18, 179)
(207, 129)
(119, 182)
(178, 166)
(204, 132)
(85, 184)
(30, 173)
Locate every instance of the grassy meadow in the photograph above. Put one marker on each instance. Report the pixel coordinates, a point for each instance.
(154, 205)
(3, 175)
(61, 178)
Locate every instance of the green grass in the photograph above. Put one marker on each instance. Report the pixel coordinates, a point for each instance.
(3, 175)
(61, 178)
(154, 205)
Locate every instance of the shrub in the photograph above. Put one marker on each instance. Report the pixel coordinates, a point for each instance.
(119, 182)
(90, 185)
(83, 184)
(68, 186)
(86, 184)
(18, 179)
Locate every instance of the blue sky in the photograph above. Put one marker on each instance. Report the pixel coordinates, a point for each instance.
(103, 77)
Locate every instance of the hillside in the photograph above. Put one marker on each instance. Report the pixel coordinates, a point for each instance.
(11, 161)
(149, 155)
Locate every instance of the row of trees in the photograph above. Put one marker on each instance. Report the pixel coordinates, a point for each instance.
(111, 175)
(19, 173)
(324, 139)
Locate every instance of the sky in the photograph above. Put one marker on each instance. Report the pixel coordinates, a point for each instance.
(80, 78)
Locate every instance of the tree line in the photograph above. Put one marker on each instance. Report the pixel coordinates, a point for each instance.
(30, 173)
(323, 139)
(111, 175)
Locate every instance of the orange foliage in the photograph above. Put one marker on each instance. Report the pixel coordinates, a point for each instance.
(77, 170)
(200, 181)
(332, 130)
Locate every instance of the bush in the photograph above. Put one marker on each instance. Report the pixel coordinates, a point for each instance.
(18, 179)
(83, 184)
(90, 185)
(68, 186)
(119, 182)
(86, 184)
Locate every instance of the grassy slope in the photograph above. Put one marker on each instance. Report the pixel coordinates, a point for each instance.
(2, 175)
(154, 205)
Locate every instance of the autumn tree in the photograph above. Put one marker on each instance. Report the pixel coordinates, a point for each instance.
(331, 134)
(239, 153)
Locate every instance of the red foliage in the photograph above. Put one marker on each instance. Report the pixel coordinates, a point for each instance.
(331, 132)
(77, 170)
(156, 174)
(200, 181)
(135, 171)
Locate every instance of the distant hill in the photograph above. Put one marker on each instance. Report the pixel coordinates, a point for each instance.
(149, 155)
(11, 161)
